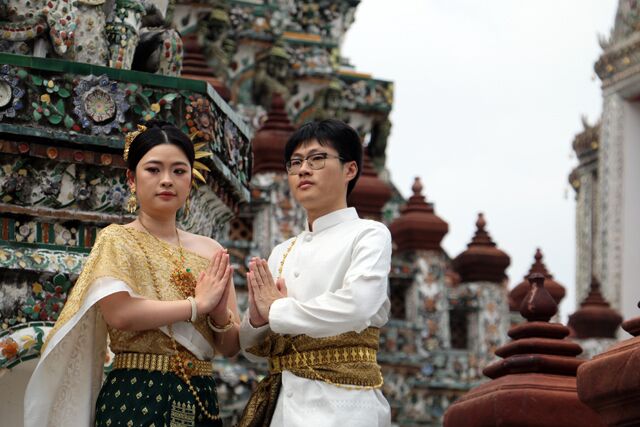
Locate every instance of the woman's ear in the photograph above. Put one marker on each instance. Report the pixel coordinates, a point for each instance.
(131, 178)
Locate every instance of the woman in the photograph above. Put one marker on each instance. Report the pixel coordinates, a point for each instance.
(164, 297)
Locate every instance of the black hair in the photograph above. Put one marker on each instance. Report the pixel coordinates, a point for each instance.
(159, 132)
(333, 133)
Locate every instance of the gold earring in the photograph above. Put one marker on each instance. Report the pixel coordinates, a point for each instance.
(132, 203)
(187, 206)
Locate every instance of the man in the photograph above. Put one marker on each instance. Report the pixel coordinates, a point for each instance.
(318, 321)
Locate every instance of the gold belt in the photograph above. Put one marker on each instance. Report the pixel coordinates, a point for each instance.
(165, 363)
(304, 359)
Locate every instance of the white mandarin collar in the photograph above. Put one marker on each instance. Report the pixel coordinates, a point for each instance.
(331, 219)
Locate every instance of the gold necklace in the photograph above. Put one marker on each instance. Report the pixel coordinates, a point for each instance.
(284, 257)
(181, 365)
(181, 277)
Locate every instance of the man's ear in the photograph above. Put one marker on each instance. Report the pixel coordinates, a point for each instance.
(351, 170)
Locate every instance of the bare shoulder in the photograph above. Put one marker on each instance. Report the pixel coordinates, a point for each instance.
(204, 246)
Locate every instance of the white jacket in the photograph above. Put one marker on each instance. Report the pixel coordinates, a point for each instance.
(337, 280)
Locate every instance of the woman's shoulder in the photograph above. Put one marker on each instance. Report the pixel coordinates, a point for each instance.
(112, 231)
(117, 232)
(200, 245)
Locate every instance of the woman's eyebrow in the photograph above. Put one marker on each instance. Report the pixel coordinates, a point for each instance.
(158, 162)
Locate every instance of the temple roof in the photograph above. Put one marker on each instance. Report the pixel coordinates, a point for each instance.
(418, 227)
(370, 193)
(595, 318)
(194, 66)
(482, 261)
(271, 138)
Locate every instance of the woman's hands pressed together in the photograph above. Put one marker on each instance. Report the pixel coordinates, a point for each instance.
(213, 287)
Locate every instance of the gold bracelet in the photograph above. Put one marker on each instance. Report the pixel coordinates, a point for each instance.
(221, 329)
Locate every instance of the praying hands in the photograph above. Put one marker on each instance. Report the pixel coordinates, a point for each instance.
(263, 291)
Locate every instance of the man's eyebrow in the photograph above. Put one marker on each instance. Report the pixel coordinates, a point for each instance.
(310, 153)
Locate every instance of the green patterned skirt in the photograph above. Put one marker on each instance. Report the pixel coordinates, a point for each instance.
(136, 397)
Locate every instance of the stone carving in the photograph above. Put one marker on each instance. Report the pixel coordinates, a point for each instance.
(313, 60)
(159, 49)
(31, 182)
(38, 27)
(90, 41)
(91, 31)
(272, 76)
(218, 47)
(328, 102)
(627, 19)
(123, 30)
(378, 144)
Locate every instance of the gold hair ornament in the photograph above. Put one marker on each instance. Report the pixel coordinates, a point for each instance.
(128, 140)
(197, 165)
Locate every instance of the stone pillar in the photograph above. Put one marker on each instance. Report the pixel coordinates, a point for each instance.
(482, 292)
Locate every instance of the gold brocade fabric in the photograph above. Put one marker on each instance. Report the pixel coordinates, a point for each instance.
(262, 403)
(117, 253)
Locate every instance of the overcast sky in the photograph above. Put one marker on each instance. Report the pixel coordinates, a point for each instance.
(488, 97)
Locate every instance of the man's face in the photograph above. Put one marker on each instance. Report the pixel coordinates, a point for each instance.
(324, 188)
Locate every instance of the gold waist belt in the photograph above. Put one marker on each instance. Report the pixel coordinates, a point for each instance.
(313, 358)
(165, 363)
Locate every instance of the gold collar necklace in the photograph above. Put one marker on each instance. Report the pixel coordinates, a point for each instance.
(181, 277)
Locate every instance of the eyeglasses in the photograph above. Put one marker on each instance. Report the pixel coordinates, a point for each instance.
(315, 161)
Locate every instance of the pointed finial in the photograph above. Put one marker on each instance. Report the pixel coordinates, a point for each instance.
(595, 284)
(417, 186)
(481, 223)
(538, 305)
(538, 255)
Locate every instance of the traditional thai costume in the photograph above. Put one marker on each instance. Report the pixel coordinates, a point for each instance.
(159, 377)
(322, 339)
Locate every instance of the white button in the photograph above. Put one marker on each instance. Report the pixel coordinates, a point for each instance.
(308, 238)
(289, 394)
(296, 273)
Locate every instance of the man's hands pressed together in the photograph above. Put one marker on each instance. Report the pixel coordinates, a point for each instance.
(263, 291)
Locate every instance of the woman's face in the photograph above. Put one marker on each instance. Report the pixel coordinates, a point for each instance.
(162, 180)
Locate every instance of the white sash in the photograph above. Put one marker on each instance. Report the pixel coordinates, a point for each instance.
(64, 386)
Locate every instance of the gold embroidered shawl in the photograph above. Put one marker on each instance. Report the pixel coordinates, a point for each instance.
(334, 367)
(118, 253)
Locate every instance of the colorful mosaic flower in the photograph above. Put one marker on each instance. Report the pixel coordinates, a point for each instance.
(37, 288)
(47, 299)
(51, 86)
(22, 343)
(199, 118)
(99, 104)
(10, 93)
(9, 348)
